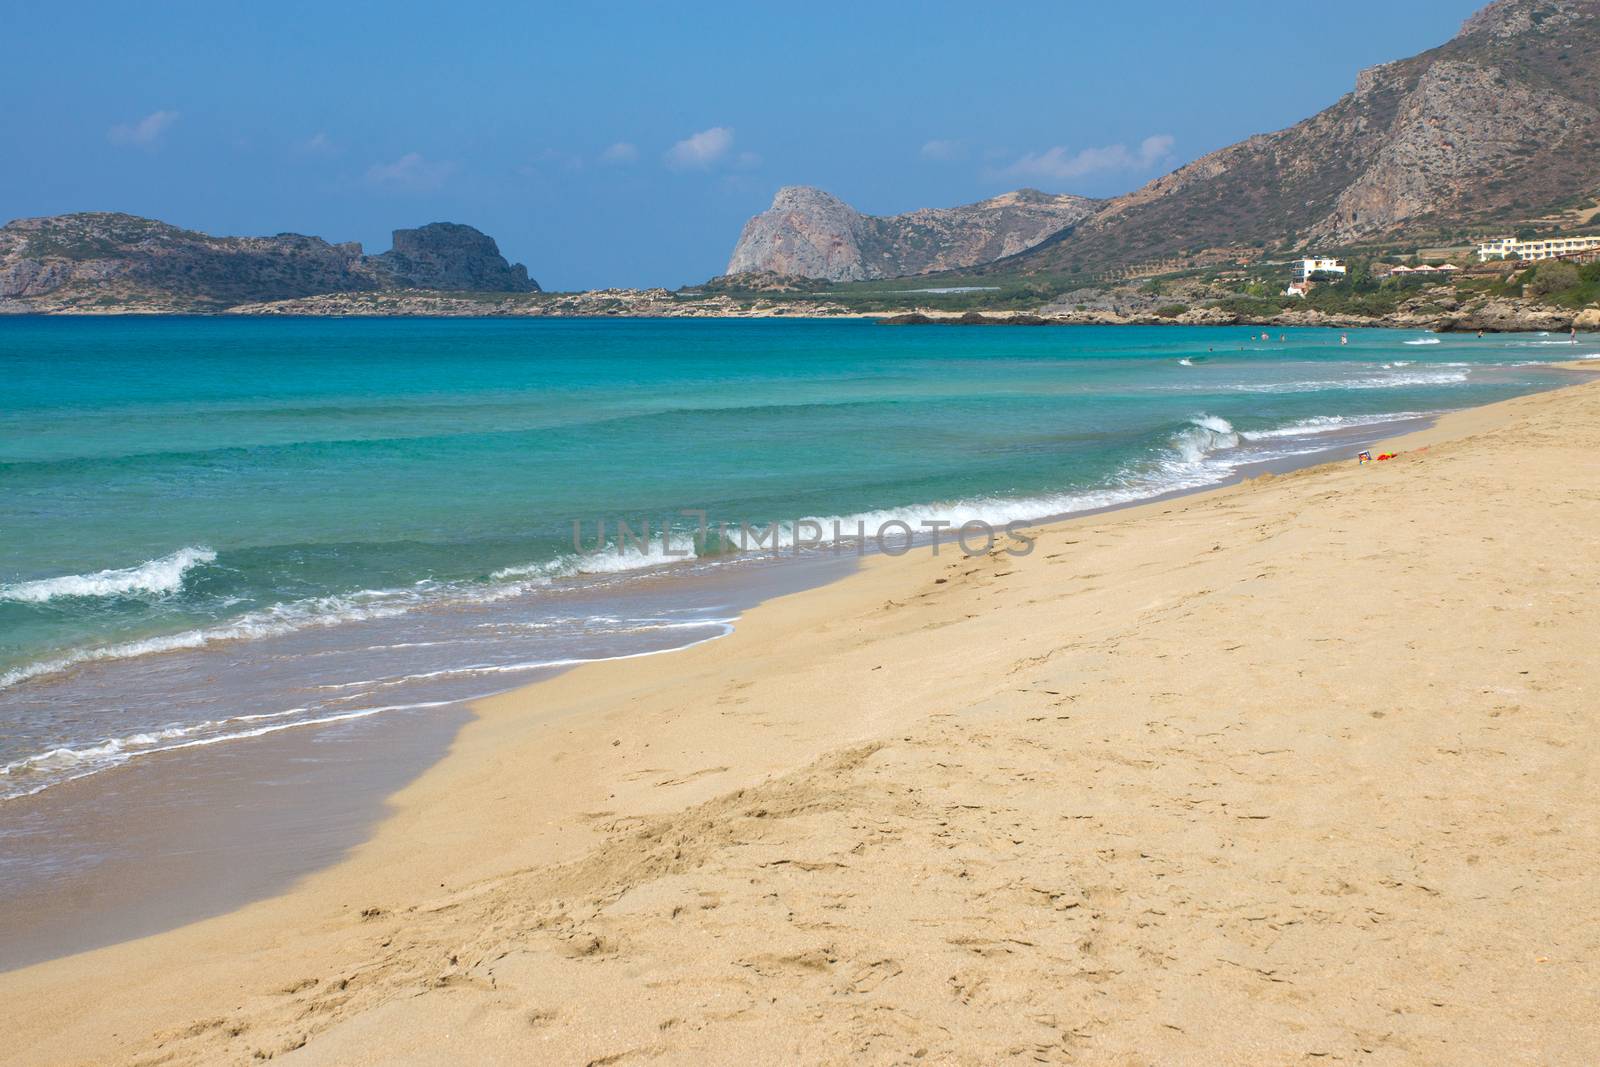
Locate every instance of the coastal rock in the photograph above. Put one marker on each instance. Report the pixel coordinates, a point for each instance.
(969, 318)
(1208, 316)
(1588, 319)
(1513, 316)
(451, 257)
(810, 233)
(1119, 302)
(104, 261)
(806, 233)
(594, 303)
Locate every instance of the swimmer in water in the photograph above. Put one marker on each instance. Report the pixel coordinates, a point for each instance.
(1344, 338)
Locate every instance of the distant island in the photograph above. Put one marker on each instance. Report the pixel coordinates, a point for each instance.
(107, 263)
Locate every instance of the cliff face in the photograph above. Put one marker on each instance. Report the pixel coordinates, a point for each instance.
(808, 233)
(450, 256)
(1499, 126)
(76, 261)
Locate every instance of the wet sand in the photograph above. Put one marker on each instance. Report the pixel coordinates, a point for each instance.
(179, 836)
(1297, 769)
(173, 837)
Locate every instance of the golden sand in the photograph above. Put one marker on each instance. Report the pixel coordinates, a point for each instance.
(1298, 771)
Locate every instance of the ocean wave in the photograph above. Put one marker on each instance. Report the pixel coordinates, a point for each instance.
(1387, 381)
(1191, 459)
(275, 621)
(156, 576)
(1423, 341)
(1204, 435)
(1194, 456)
(1328, 424)
(1182, 467)
(609, 559)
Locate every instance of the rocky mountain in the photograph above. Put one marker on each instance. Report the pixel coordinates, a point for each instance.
(808, 233)
(1496, 128)
(100, 259)
(449, 256)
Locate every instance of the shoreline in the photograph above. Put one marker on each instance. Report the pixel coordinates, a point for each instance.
(350, 812)
(1539, 319)
(630, 751)
(1502, 317)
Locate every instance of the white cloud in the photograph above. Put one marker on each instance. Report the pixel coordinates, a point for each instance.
(1058, 164)
(748, 160)
(701, 150)
(944, 151)
(412, 173)
(621, 152)
(145, 133)
(318, 144)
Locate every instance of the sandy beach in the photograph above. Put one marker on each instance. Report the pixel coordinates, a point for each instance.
(1297, 770)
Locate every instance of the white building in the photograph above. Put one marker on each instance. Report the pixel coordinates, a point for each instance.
(1315, 268)
(1539, 248)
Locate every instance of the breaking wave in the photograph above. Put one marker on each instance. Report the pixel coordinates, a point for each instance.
(277, 620)
(1192, 457)
(1386, 381)
(1329, 424)
(1205, 435)
(155, 577)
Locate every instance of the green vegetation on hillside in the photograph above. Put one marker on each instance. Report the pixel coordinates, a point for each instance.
(1564, 284)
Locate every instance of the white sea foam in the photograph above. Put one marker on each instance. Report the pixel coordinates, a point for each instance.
(610, 559)
(275, 621)
(29, 775)
(724, 627)
(1386, 381)
(1424, 341)
(1329, 424)
(156, 576)
(1206, 434)
(1191, 461)
(1195, 458)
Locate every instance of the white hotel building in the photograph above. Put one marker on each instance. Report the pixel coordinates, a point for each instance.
(1539, 248)
(1317, 268)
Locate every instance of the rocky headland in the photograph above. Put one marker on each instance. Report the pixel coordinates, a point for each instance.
(809, 233)
(115, 263)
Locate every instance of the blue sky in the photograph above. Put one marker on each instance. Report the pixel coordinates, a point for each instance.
(626, 143)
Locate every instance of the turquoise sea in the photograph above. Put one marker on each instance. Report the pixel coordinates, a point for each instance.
(382, 511)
